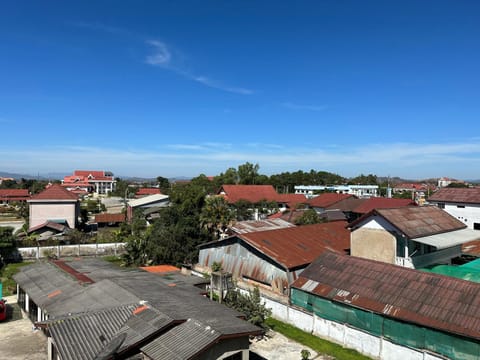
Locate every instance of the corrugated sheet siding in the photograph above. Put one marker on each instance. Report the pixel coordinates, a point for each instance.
(240, 261)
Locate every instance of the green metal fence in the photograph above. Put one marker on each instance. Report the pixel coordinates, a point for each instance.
(406, 334)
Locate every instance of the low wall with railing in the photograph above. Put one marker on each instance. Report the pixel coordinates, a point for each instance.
(59, 251)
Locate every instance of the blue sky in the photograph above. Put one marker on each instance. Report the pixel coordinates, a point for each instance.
(179, 88)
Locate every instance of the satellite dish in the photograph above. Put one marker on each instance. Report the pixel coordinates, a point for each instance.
(112, 347)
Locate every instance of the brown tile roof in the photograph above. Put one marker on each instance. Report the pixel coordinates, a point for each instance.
(416, 221)
(147, 191)
(49, 225)
(110, 218)
(298, 246)
(382, 203)
(328, 199)
(14, 194)
(55, 192)
(346, 205)
(427, 299)
(251, 193)
(292, 200)
(457, 195)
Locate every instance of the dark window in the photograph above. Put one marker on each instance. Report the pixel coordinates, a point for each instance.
(461, 206)
(476, 226)
(441, 205)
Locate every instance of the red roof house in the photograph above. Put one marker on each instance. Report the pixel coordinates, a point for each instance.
(11, 195)
(251, 193)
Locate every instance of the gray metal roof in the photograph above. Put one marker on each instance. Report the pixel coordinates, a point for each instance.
(84, 336)
(449, 239)
(172, 345)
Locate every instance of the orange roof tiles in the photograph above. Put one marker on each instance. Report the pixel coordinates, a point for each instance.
(55, 192)
(160, 268)
(251, 193)
(110, 218)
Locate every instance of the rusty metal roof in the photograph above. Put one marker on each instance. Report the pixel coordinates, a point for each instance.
(297, 246)
(328, 199)
(382, 203)
(110, 218)
(251, 193)
(416, 221)
(242, 227)
(426, 299)
(457, 195)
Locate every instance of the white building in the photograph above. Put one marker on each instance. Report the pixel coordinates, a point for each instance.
(361, 191)
(461, 203)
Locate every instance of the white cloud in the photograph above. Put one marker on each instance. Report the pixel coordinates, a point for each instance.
(400, 159)
(294, 106)
(161, 55)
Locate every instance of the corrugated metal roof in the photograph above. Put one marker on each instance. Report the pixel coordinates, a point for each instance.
(149, 199)
(449, 239)
(83, 336)
(415, 221)
(172, 345)
(457, 195)
(293, 247)
(251, 193)
(242, 227)
(328, 199)
(382, 203)
(426, 299)
(109, 218)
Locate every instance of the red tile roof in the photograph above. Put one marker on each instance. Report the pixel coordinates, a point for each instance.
(416, 221)
(55, 192)
(94, 173)
(457, 195)
(49, 225)
(251, 193)
(327, 199)
(147, 191)
(382, 203)
(14, 194)
(297, 246)
(292, 200)
(110, 218)
(423, 298)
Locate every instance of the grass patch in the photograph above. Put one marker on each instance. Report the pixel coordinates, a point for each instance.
(6, 277)
(321, 346)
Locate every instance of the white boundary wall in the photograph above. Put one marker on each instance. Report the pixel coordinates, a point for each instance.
(59, 251)
(363, 342)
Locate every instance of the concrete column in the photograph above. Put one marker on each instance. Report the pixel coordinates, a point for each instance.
(18, 290)
(245, 354)
(49, 348)
(39, 314)
(27, 301)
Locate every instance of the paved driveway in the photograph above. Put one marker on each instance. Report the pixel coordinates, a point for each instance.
(17, 339)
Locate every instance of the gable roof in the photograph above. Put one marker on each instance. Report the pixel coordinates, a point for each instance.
(457, 195)
(327, 199)
(242, 227)
(415, 221)
(147, 191)
(251, 193)
(381, 203)
(58, 227)
(14, 194)
(298, 246)
(54, 192)
(292, 200)
(422, 298)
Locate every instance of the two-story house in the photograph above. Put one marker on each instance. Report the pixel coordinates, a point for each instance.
(410, 236)
(461, 203)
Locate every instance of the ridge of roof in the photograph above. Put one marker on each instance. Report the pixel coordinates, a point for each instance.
(55, 192)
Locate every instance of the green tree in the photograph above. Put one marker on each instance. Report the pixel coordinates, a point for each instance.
(230, 177)
(250, 305)
(163, 184)
(248, 173)
(7, 244)
(216, 215)
(309, 216)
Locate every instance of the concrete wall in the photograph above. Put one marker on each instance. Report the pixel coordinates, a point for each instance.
(345, 335)
(374, 244)
(71, 250)
(469, 215)
(40, 212)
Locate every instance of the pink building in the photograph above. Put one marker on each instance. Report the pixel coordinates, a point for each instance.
(87, 181)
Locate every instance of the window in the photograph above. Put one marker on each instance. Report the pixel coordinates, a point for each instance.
(476, 226)
(461, 206)
(441, 205)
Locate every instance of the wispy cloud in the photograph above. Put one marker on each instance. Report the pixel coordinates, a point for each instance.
(293, 106)
(161, 56)
(400, 159)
